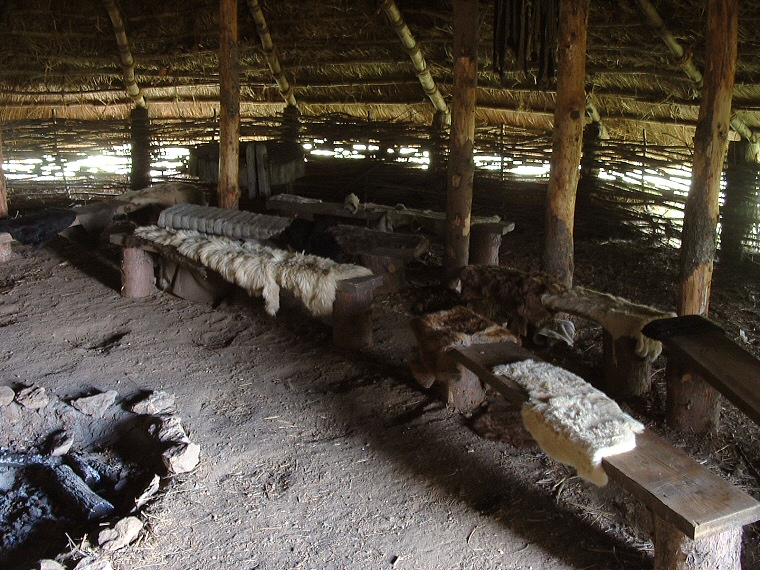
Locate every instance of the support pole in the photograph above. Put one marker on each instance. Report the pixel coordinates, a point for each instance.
(691, 403)
(137, 276)
(229, 106)
(461, 167)
(568, 137)
(739, 209)
(5, 245)
(140, 130)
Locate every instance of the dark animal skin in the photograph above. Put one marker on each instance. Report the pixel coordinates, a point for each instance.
(38, 229)
(312, 238)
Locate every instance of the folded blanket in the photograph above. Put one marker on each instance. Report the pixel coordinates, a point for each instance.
(572, 421)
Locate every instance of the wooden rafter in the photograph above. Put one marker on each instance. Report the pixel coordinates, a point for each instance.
(127, 61)
(397, 22)
(270, 53)
(684, 60)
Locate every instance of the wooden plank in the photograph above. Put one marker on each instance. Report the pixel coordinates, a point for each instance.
(680, 490)
(360, 284)
(668, 481)
(705, 349)
(481, 358)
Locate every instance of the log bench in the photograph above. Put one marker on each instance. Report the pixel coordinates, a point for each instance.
(352, 308)
(698, 515)
(702, 347)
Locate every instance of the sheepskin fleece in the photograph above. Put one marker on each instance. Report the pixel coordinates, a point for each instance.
(616, 315)
(572, 421)
(262, 271)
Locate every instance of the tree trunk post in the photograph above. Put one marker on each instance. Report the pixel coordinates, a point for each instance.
(739, 209)
(229, 106)
(461, 166)
(569, 116)
(674, 551)
(140, 130)
(5, 244)
(692, 404)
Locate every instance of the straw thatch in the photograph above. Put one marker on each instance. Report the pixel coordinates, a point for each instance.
(343, 56)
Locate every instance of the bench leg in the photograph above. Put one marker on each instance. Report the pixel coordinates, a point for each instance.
(137, 277)
(674, 551)
(625, 374)
(390, 268)
(352, 318)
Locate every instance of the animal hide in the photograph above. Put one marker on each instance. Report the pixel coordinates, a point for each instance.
(440, 331)
(508, 295)
(261, 270)
(39, 228)
(617, 316)
(165, 195)
(572, 421)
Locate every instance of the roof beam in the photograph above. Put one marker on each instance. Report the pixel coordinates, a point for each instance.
(127, 62)
(683, 59)
(396, 20)
(270, 53)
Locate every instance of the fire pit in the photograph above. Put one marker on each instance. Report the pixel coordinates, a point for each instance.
(85, 467)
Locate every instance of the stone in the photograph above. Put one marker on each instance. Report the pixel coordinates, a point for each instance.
(182, 457)
(32, 398)
(7, 395)
(158, 402)
(48, 564)
(97, 404)
(60, 443)
(169, 429)
(11, 413)
(122, 534)
(92, 563)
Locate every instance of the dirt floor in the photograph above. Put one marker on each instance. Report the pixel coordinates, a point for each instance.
(316, 458)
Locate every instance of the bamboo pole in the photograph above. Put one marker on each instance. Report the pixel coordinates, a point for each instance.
(461, 167)
(397, 22)
(127, 62)
(687, 65)
(270, 53)
(568, 138)
(229, 106)
(691, 403)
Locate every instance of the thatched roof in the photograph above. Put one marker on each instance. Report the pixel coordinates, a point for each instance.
(60, 59)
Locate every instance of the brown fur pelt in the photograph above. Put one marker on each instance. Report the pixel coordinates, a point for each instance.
(509, 296)
(440, 331)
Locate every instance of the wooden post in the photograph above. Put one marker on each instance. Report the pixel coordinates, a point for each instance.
(229, 106)
(569, 113)
(739, 209)
(137, 277)
(461, 167)
(691, 403)
(140, 127)
(5, 244)
(674, 551)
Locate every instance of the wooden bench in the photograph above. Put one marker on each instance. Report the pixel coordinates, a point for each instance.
(698, 515)
(486, 231)
(382, 253)
(352, 308)
(703, 347)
